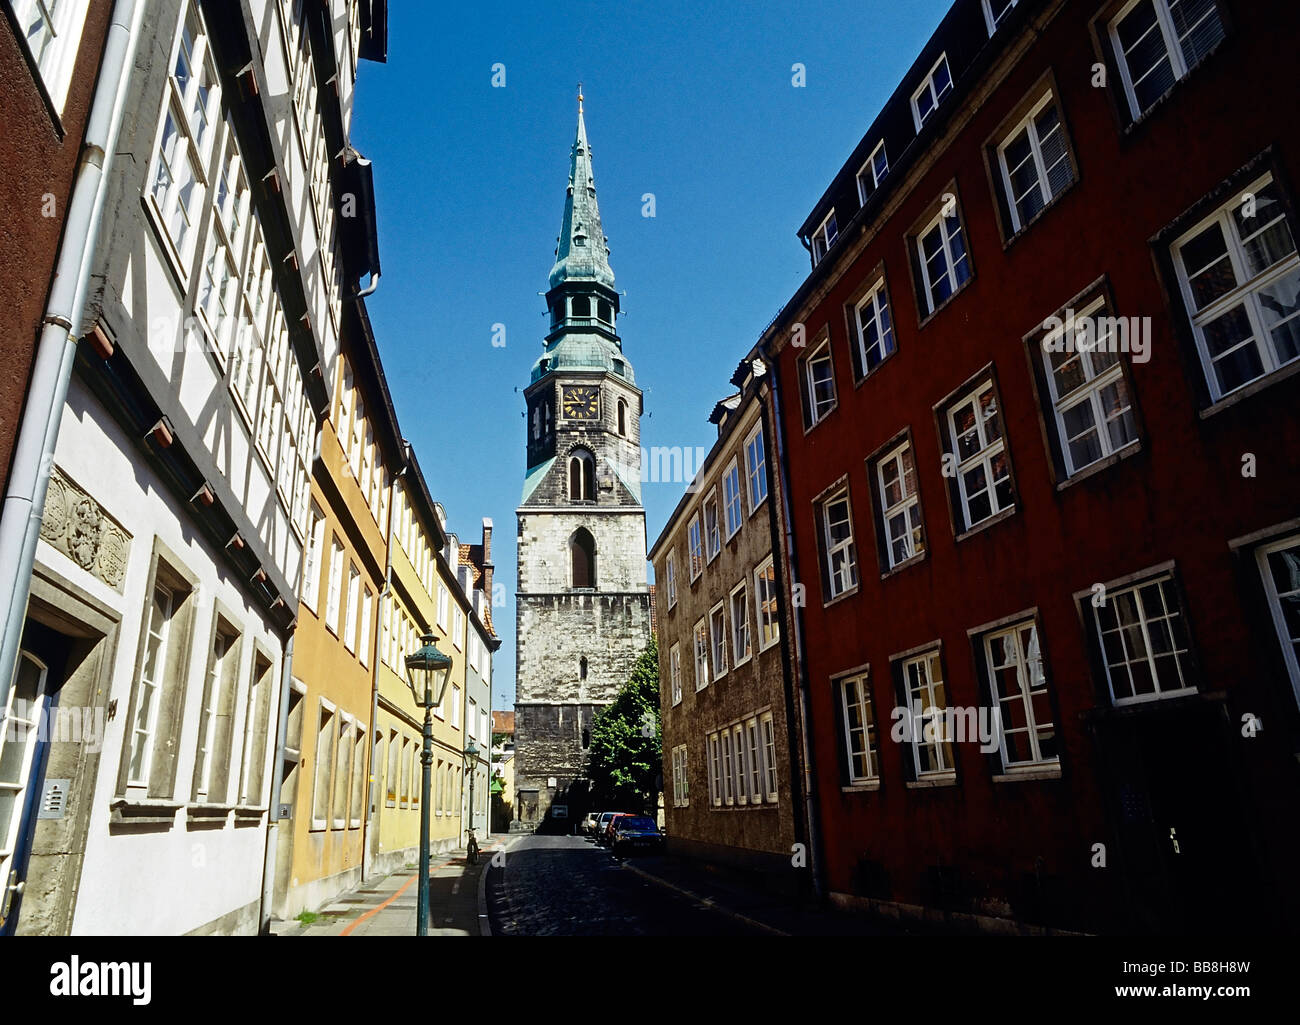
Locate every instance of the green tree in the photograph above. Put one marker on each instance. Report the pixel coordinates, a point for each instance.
(625, 760)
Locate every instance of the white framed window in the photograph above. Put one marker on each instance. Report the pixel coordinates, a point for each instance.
(873, 172)
(1092, 409)
(927, 703)
(1240, 277)
(1157, 42)
(670, 579)
(840, 561)
(1027, 731)
(714, 743)
(942, 258)
(983, 466)
(695, 542)
(311, 561)
(756, 467)
(769, 612)
(335, 594)
(859, 720)
(824, 237)
(873, 328)
(731, 497)
(162, 606)
(1034, 160)
(701, 639)
(353, 608)
(718, 639)
(768, 727)
(320, 806)
(712, 528)
(342, 771)
(741, 649)
(52, 31)
(739, 764)
(675, 672)
(926, 99)
(211, 764)
(444, 607)
(178, 178)
(458, 629)
(728, 778)
(818, 380)
(1144, 642)
(363, 637)
(1279, 564)
(900, 505)
(681, 778)
(995, 11)
(755, 759)
(455, 706)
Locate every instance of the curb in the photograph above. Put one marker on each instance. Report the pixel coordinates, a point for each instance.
(484, 919)
(708, 902)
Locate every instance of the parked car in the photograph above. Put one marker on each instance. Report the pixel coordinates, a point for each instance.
(633, 833)
(606, 835)
(589, 823)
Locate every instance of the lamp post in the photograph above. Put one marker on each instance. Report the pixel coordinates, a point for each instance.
(426, 674)
(471, 762)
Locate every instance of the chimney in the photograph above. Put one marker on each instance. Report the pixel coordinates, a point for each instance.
(487, 561)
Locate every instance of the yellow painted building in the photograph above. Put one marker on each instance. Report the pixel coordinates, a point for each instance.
(327, 730)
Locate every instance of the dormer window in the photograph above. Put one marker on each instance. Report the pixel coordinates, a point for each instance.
(937, 84)
(873, 172)
(620, 368)
(823, 237)
(995, 11)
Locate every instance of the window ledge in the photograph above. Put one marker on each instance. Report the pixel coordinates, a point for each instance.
(863, 787)
(948, 302)
(1101, 465)
(858, 382)
(246, 814)
(1141, 119)
(1256, 386)
(929, 782)
(200, 813)
(905, 564)
(985, 524)
(849, 593)
(143, 811)
(1038, 772)
(1020, 232)
(822, 419)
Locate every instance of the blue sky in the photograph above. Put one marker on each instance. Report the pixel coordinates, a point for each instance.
(691, 102)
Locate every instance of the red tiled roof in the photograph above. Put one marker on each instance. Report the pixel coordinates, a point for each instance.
(503, 722)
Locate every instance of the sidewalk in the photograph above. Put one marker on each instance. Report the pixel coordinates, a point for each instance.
(385, 905)
(769, 913)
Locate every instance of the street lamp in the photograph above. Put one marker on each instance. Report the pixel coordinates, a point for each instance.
(426, 674)
(471, 763)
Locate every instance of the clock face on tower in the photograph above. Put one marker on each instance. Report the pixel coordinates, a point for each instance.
(580, 402)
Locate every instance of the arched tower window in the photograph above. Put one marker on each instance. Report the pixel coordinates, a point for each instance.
(582, 668)
(606, 311)
(581, 306)
(582, 552)
(582, 476)
(622, 418)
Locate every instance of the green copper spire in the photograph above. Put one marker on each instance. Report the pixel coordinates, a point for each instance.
(582, 254)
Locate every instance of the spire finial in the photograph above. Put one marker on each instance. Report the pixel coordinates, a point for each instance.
(579, 97)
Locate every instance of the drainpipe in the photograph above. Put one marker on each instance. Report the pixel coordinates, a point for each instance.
(38, 432)
(384, 596)
(273, 819)
(809, 776)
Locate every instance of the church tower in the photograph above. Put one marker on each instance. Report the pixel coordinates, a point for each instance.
(583, 604)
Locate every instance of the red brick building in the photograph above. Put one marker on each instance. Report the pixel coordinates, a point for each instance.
(1090, 524)
(48, 66)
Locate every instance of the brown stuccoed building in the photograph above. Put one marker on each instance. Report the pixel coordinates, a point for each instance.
(733, 786)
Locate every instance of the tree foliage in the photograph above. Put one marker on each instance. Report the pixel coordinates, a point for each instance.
(625, 760)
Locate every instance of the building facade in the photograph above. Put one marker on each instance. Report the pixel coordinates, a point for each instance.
(1038, 398)
(583, 603)
(164, 590)
(732, 765)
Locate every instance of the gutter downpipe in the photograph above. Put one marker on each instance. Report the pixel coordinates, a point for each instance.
(38, 431)
(273, 819)
(809, 776)
(384, 596)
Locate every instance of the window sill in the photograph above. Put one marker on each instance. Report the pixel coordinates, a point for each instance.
(247, 815)
(1138, 121)
(863, 787)
(1101, 465)
(1249, 390)
(143, 811)
(743, 661)
(1037, 772)
(860, 381)
(948, 779)
(200, 813)
(985, 524)
(828, 602)
(905, 564)
(1023, 230)
(808, 429)
(754, 508)
(949, 301)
